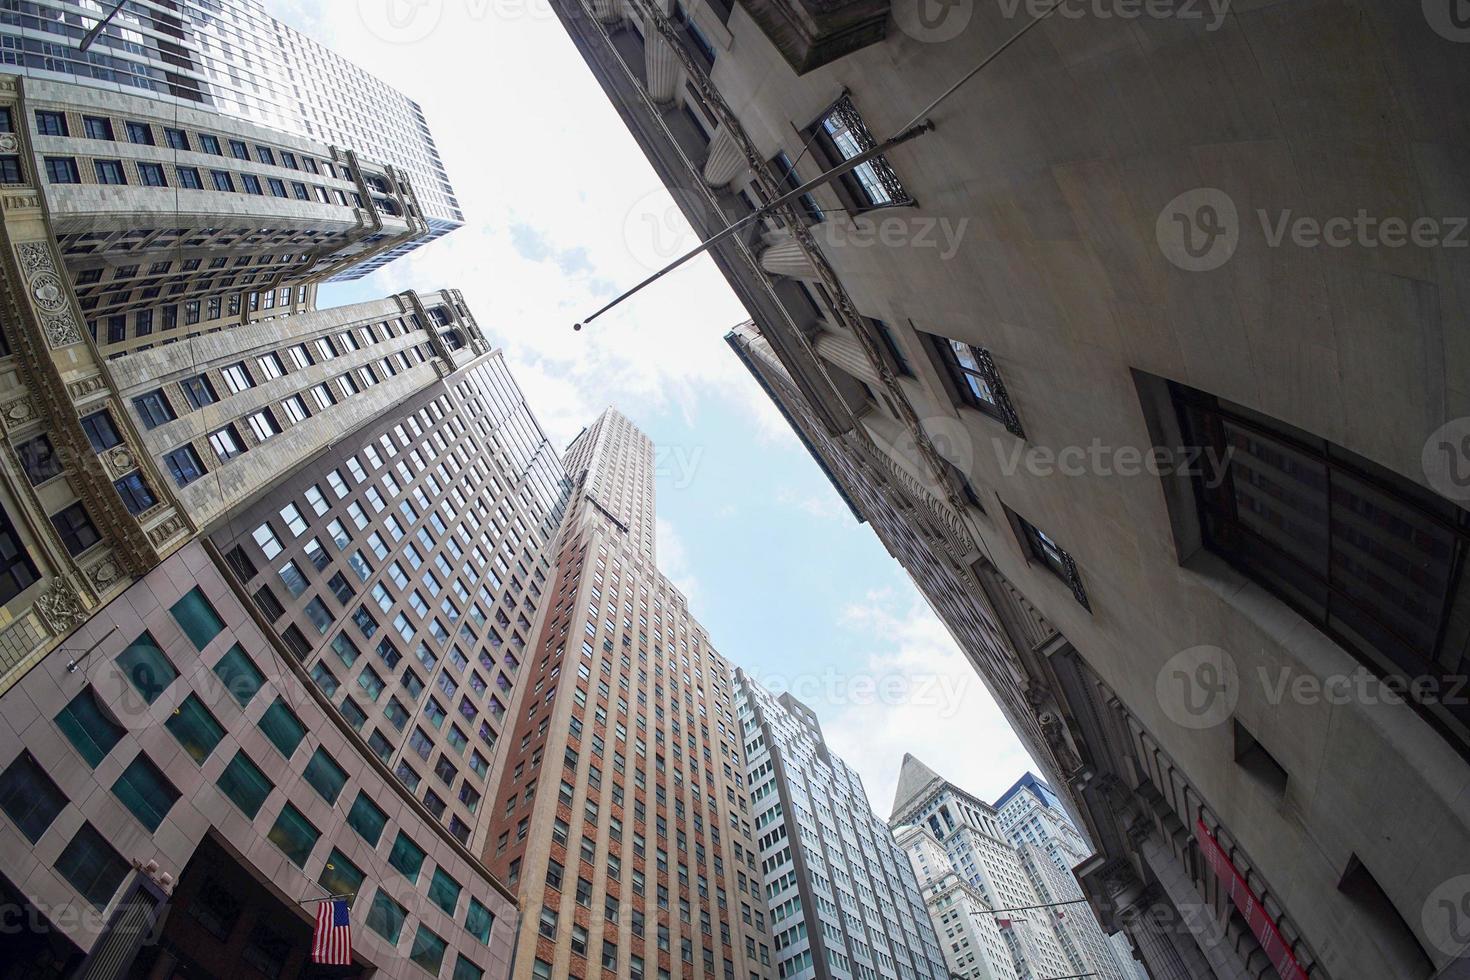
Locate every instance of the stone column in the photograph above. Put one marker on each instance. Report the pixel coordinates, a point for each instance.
(846, 353)
(726, 161)
(661, 64)
(785, 257)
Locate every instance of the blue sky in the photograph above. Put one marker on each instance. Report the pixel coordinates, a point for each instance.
(563, 212)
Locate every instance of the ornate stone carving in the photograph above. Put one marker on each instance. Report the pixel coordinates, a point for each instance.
(166, 528)
(88, 386)
(17, 412)
(8, 143)
(49, 293)
(61, 607)
(121, 459)
(104, 575)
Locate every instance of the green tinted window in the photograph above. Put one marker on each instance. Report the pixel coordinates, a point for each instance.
(325, 776)
(89, 727)
(478, 921)
(197, 618)
(465, 970)
(146, 791)
(147, 669)
(244, 783)
(367, 819)
(92, 867)
(239, 674)
(340, 876)
(444, 891)
(427, 951)
(294, 835)
(407, 857)
(195, 728)
(282, 727)
(386, 917)
(29, 797)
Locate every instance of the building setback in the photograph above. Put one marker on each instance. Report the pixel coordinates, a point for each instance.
(1147, 465)
(621, 818)
(841, 897)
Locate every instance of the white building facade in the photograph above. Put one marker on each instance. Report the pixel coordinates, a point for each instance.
(842, 901)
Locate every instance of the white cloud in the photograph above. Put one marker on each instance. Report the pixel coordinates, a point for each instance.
(910, 689)
(673, 561)
(824, 504)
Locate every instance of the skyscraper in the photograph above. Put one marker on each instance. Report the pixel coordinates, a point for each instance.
(842, 899)
(976, 850)
(621, 817)
(231, 58)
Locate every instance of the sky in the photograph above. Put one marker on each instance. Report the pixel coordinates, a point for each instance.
(562, 213)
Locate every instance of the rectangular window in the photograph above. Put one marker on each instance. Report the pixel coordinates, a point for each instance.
(92, 866)
(50, 123)
(89, 726)
(151, 174)
(406, 857)
(62, 170)
(184, 465)
(195, 728)
(222, 180)
(197, 618)
(136, 495)
(975, 380)
(325, 776)
(226, 443)
(198, 391)
(245, 784)
(294, 835)
(239, 674)
(98, 127)
(145, 791)
(139, 132)
(154, 409)
(144, 665)
(282, 727)
(263, 424)
(386, 917)
(75, 528)
(843, 135)
(176, 138)
(189, 178)
(28, 796)
(109, 172)
(367, 818)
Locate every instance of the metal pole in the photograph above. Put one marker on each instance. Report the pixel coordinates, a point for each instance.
(91, 35)
(845, 167)
(1028, 908)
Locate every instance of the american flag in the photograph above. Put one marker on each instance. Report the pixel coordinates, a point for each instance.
(333, 941)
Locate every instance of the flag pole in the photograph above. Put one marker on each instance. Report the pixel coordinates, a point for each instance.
(328, 898)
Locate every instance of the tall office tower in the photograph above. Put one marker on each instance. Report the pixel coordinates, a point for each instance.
(309, 699)
(842, 899)
(230, 58)
(1055, 333)
(147, 237)
(621, 817)
(977, 850)
(1032, 816)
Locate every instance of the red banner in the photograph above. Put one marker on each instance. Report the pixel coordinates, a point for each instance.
(1250, 906)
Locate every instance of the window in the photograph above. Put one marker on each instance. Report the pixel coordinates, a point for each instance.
(222, 181)
(135, 493)
(75, 529)
(252, 184)
(151, 174)
(237, 377)
(145, 791)
(89, 726)
(238, 150)
(146, 668)
(10, 172)
(294, 835)
(325, 776)
(226, 443)
(843, 135)
(39, 459)
(198, 391)
(17, 571)
(444, 891)
(101, 432)
(50, 123)
(98, 127)
(62, 170)
(385, 917)
(975, 381)
(109, 172)
(239, 674)
(210, 144)
(282, 727)
(340, 876)
(184, 465)
(195, 728)
(406, 857)
(263, 424)
(296, 409)
(245, 784)
(197, 618)
(29, 798)
(889, 343)
(1368, 557)
(786, 172)
(139, 132)
(153, 409)
(176, 138)
(92, 866)
(189, 178)
(478, 921)
(367, 819)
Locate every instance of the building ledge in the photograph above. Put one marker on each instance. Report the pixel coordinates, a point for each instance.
(812, 33)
